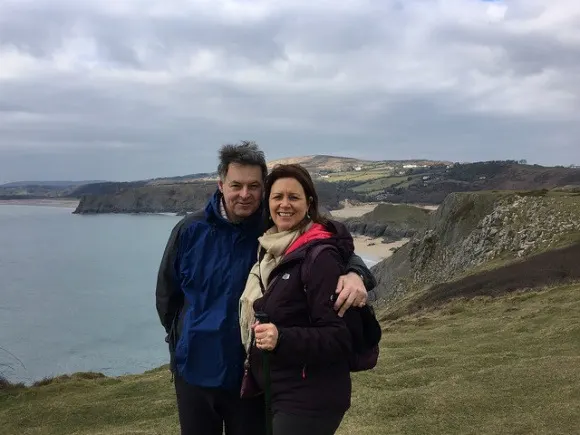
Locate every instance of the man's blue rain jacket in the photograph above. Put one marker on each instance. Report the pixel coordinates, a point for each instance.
(202, 276)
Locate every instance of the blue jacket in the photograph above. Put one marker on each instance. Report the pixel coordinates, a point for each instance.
(202, 275)
(204, 270)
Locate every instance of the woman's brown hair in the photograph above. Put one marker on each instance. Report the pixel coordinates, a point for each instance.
(303, 177)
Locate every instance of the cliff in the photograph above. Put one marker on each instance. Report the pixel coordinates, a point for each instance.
(392, 222)
(167, 198)
(481, 233)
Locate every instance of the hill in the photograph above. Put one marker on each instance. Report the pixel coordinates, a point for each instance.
(317, 163)
(390, 221)
(483, 232)
(506, 365)
(430, 184)
(51, 183)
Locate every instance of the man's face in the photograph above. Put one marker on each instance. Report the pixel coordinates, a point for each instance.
(242, 190)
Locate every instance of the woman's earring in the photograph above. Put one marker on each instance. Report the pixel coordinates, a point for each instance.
(307, 215)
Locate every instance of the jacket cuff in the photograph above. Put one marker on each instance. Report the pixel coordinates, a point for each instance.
(280, 335)
(358, 266)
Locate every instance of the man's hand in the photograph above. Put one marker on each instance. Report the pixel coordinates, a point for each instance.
(266, 335)
(351, 292)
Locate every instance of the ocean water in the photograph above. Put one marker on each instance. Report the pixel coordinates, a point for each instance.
(77, 292)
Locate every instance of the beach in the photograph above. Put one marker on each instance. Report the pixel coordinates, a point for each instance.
(368, 247)
(374, 249)
(350, 210)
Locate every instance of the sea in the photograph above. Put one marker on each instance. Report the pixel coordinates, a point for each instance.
(77, 292)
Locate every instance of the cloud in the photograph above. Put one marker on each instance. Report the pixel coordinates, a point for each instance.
(159, 85)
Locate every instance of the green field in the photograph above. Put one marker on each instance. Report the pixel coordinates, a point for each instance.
(378, 184)
(357, 175)
(509, 365)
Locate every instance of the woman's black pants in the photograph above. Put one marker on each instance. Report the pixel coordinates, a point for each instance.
(289, 424)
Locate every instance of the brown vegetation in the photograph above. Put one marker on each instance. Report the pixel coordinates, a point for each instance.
(555, 267)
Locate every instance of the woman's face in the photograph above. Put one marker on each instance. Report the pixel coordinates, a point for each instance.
(288, 203)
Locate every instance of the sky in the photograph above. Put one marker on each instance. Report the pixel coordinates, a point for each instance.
(134, 89)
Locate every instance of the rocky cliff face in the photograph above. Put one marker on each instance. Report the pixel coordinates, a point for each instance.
(392, 222)
(471, 231)
(180, 198)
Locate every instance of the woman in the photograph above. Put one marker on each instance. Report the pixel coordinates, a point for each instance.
(307, 343)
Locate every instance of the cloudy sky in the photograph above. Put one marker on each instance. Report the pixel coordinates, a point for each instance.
(131, 89)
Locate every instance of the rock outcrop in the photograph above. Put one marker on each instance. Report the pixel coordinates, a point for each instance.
(165, 198)
(390, 221)
(472, 231)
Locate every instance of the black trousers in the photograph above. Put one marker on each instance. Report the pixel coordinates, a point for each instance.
(288, 424)
(206, 411)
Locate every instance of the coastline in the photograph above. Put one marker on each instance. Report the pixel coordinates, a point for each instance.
(349, 210)
(48, 202)
(374, 249)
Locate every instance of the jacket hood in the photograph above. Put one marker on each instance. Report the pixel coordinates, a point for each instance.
(340, 238)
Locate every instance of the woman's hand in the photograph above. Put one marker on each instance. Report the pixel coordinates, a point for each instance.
(266, 335)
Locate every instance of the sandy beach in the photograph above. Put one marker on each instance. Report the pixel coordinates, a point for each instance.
(49, 202)
(373, 248)
(354, 210)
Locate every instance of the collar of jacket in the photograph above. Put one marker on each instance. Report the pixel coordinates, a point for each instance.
(341, 239)
(214, 215)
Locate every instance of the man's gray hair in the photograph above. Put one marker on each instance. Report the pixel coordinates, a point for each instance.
(244, 153)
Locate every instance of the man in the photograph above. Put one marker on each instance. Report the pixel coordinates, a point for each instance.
(201, 278)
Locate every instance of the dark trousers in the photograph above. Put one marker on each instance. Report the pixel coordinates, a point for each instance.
(206, 411)
(288, 424)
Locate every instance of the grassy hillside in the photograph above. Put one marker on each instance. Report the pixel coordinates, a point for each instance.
(508, 365)
(397, 215)
(431, 182)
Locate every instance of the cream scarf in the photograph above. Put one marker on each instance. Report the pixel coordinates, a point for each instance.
(275, 243)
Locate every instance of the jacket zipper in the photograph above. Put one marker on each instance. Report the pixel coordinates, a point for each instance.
(270, 284)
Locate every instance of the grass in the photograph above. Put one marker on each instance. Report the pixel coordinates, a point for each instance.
(378, 184)
(397, 214)
(356, 175)
(508, 365)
